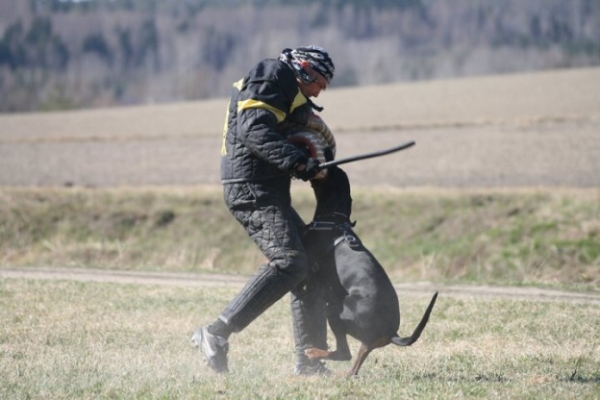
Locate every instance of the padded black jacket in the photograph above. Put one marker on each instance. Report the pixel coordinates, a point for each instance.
(263, 105)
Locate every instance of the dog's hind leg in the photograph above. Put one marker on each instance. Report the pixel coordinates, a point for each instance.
(364, 351)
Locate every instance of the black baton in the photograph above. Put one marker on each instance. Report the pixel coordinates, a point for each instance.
(365, 156)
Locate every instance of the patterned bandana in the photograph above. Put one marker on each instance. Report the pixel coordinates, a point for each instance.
(317, 57)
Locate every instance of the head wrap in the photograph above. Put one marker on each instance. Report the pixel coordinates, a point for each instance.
(317, 57)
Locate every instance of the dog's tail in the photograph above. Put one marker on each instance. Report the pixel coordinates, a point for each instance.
(407, 341)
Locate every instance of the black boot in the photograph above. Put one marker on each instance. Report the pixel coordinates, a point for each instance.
(310, 329)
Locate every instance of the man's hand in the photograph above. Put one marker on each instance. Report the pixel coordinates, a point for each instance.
(307, 171)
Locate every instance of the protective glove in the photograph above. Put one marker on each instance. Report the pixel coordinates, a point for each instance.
(307, 171)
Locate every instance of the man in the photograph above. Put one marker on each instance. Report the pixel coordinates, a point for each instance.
(257, 164)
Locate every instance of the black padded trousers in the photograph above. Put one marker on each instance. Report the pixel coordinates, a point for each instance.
(266, 213)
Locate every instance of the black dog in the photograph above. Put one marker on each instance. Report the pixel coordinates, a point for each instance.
(361, 300)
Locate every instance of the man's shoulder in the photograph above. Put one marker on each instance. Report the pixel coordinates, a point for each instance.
(272, 70)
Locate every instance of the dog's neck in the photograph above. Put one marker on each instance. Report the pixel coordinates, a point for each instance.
(332, 205)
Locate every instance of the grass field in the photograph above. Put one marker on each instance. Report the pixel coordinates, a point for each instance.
(80, 339)
(62, 339)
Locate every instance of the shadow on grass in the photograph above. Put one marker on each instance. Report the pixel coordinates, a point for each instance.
(500, 378)
(575, 377)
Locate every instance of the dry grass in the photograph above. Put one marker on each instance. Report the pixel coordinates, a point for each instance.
(525, 237)
(94, 340)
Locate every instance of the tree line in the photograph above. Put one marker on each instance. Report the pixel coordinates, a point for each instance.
(58, 54)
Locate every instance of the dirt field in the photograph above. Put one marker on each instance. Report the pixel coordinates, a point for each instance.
(526, 130)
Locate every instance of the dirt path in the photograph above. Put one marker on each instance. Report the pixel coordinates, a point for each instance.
(236, 281)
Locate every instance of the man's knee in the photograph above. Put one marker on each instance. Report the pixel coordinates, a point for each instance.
(293, 265)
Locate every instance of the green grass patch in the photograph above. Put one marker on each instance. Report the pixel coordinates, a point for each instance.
(534, 237)
(67, 340)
